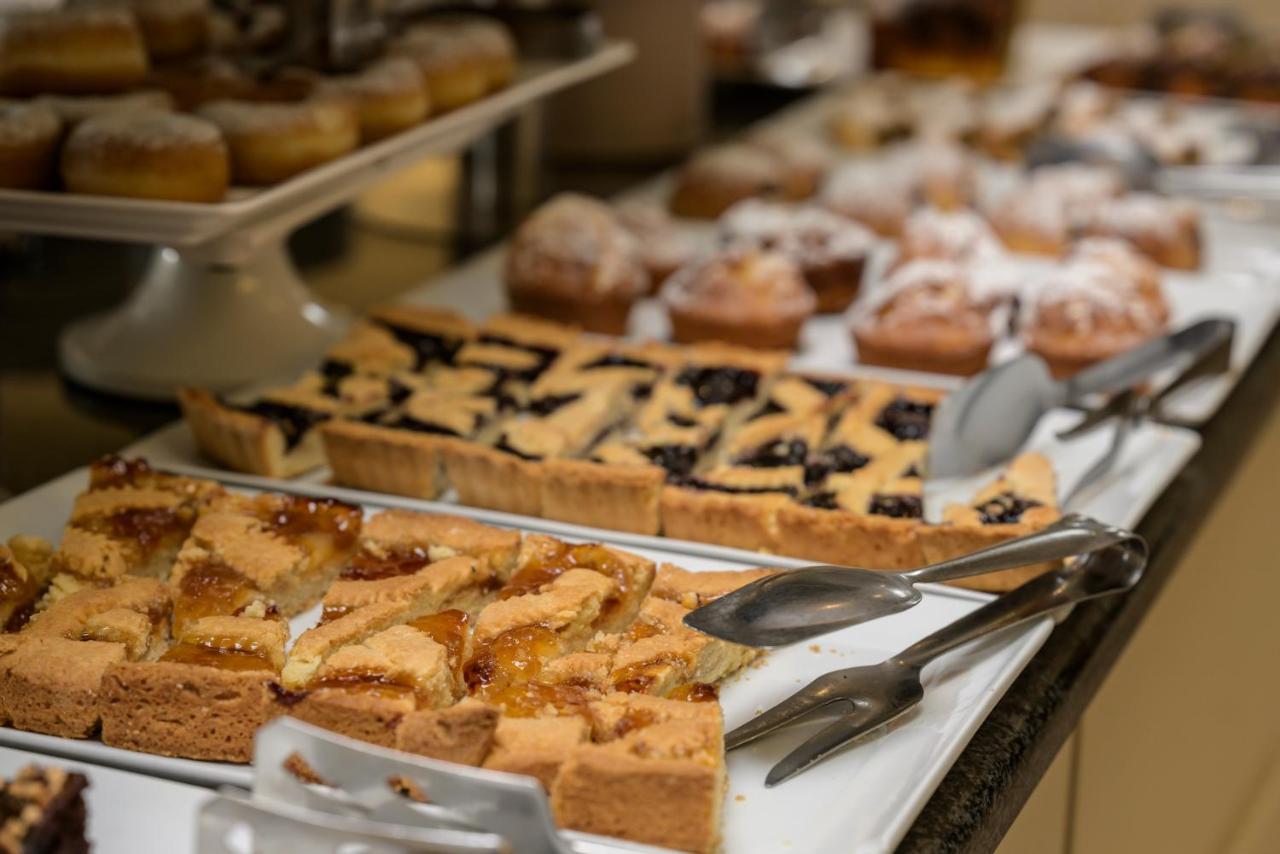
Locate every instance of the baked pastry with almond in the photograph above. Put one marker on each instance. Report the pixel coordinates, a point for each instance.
(925, 318)
(718, 178)
(947, 235)
(748, 297)
(572, 261)
(871, 192)
(664, 246)
(831, 250)
(1083, 311)
(1042, 213)
(1166, 230)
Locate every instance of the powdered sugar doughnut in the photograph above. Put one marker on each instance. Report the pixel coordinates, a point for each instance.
(452, 68)
(74, 109)
(147, 155)
(29, 135)
(390, 96)
(272, 141)
(82, 51)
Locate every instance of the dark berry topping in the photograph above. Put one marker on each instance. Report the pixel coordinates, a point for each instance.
(334, 372)
(397, 391)
(544, 406)
(1004, 509)
(821, 501)
(728, 489)
(897, 506)
(783, 452)
(428, 348)
(771, 407)
(828, 387)
(615, 360)
(294, 421)
(546, 355)
(906, 419)
(680, 421)
(678, 460)
(713, 386)
(505, 446)
(406, 422)
(913, 470)
(841, 458)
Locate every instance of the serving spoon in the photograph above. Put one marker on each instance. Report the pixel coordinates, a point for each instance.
(799, 604)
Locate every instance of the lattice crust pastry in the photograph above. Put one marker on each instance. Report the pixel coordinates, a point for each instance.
(708, 442)
(442, 636)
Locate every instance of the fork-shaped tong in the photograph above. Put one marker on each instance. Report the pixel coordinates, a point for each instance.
(878, 694)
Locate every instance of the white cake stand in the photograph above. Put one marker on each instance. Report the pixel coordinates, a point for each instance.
(221, 305)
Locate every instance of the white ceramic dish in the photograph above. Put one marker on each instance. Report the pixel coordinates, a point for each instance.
(114, 799)
(861, 800)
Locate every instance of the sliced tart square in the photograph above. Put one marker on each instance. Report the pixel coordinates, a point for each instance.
(1019, 502)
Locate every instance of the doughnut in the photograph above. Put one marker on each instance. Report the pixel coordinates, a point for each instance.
(492, 42)
(76, 52)
(29, 135)
(146, 155)
(453, 68)
(74, 109)
(191, 84)
(390, 96)
(173, 28)
(274, 140)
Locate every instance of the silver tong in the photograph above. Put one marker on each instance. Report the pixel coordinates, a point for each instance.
(869, 698)
(363, 804)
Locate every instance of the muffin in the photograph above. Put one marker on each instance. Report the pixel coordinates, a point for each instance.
(873, 114)
(750, 297)
(944, 172)
(1166, 230)
(716, 179)
(830, 250)
(573, 262)
(1082, 312)
(878, 196)
(1042, 213)
(924, 318)
(958, 235)
(664, 246)
(805, 161)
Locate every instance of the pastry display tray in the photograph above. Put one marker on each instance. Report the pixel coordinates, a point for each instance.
(305, 196)
(113, 800)
(861, 800)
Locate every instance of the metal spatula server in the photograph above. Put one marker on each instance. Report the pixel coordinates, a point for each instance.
(990, 418)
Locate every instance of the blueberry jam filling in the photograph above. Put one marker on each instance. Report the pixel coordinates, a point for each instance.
(840, 459)
(906, 419)
(771, 407)
(397, 391)
(678, 460)
(334, 372)
(544, 406)
(406, 422)
(782, 452)
(828, 387)
(1004, 509)
(726, 385)
(897, 506)
(913, 470)
(680, 421)
(505, 446)
(642, 391)
(615, 360)
(821, 501)
(427, 347)
(729, 489)
(294, 421)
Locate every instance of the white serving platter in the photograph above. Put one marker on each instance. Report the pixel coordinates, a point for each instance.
(116, 801)
(305, 196)
(861, 800)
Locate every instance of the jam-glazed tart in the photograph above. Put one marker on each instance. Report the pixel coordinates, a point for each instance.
(205, 698)
(24, 574)
(51, 673)
(1019, 502)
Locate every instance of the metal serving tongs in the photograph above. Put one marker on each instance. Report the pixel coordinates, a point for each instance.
(870, 697)
(1131, 407)
(799, 604)
(383, 801)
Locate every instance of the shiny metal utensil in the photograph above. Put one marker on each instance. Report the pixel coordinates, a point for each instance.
(877, 694)
(1129, 409)
(987, 420)
(803, 603)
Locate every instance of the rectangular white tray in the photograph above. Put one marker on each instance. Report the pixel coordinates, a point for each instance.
(861, 800)
(305, 196)
(128, 813)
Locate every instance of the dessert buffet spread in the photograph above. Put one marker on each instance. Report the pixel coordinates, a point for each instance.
(160, 624)
(42, 809)
(178, 103)
(709, 442)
